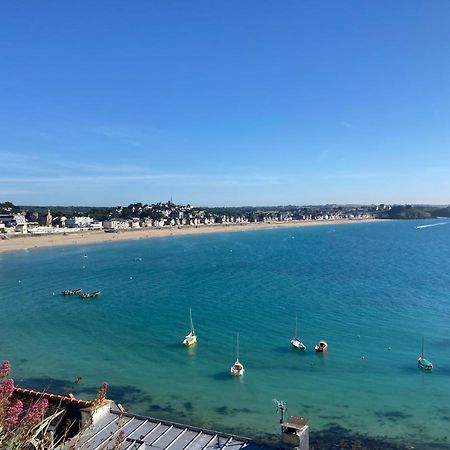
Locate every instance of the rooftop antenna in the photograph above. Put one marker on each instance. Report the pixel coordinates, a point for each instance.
(281, 408)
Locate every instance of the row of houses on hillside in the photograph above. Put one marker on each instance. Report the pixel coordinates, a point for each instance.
(170, 215)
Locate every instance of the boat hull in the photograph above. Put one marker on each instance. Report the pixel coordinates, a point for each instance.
(321, 347)
(90, 295)
(189, 340)
(237, 369)
(71, 292)
(424, 364)
(295, 343)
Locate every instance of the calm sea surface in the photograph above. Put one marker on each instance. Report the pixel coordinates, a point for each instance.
(370, 290)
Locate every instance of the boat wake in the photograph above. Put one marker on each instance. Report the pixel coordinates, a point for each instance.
(432, 225)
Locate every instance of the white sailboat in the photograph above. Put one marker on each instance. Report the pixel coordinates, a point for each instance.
(237, 368)
(295, 341)
(191, 338)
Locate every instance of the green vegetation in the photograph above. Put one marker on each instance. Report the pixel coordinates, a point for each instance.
(139, 210)
(415, 212)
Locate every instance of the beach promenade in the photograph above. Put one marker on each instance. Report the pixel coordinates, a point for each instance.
(28, 242)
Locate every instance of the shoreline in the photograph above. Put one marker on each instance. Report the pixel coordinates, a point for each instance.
(29, 242)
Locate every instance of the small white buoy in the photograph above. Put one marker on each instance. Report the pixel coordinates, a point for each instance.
(84, 267)
(53, 293)
(131, 278)
(20, 281)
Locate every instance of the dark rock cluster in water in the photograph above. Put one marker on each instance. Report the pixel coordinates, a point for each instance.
(393, 416)
(335, 437)
(51, 385)
(225, 411)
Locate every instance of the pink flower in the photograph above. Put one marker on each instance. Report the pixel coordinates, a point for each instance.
(12, 417)
(5, 367)
(36, 411)
(6, 388)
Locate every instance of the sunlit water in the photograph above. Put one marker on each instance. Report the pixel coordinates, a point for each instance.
(370, 290)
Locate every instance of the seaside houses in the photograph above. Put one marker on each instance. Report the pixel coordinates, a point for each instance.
(147, 222)
(169, 214)
(13, 223)
(96, 225)
(116, 224)
(80, 222)
(134, 223)
(84, 223)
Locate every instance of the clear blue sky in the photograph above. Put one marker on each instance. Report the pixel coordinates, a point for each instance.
(225, 102)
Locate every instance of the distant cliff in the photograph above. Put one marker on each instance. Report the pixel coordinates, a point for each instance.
(415, 212)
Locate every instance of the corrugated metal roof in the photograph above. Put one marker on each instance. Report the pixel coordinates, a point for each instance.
(146, 433)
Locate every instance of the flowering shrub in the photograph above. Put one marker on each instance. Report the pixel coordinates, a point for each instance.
(27, 428)
(101, 394)
(20, 429)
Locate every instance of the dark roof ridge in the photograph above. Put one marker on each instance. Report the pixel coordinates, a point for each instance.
(57, 397)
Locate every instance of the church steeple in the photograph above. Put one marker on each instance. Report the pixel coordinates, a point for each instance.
(49, 218)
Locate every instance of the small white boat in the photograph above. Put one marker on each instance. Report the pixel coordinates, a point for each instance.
(298, 344)
(321, 347)
(237, 369)
(90, 294)
(191, 338)
(295, 341)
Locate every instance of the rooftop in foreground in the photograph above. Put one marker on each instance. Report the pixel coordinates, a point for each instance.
(124, 431)
(102, 424)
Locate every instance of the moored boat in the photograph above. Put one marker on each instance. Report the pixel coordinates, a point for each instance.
(237, 369)
(424, 363)
(191, 338)
(321, 347)
(295, 341)
(71, 291)
(90, 294)
(298, 344)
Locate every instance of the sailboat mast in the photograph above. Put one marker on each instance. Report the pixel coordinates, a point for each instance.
(192, 323)
(237, 347)
(296, 326)
(422, 345)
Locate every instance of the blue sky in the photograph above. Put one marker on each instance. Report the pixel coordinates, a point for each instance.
(225, 102)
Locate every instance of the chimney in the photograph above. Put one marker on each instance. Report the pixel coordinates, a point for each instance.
(295, 434)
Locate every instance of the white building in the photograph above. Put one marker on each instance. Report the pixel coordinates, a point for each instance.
(13, 223)
(96, 225)
(79, 222)
(116, 224)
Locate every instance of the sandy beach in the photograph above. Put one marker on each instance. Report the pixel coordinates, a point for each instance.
(28, 242)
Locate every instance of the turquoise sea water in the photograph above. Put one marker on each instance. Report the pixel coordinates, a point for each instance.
(370, 290)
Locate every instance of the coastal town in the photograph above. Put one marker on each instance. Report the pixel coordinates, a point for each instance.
(16, 220)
